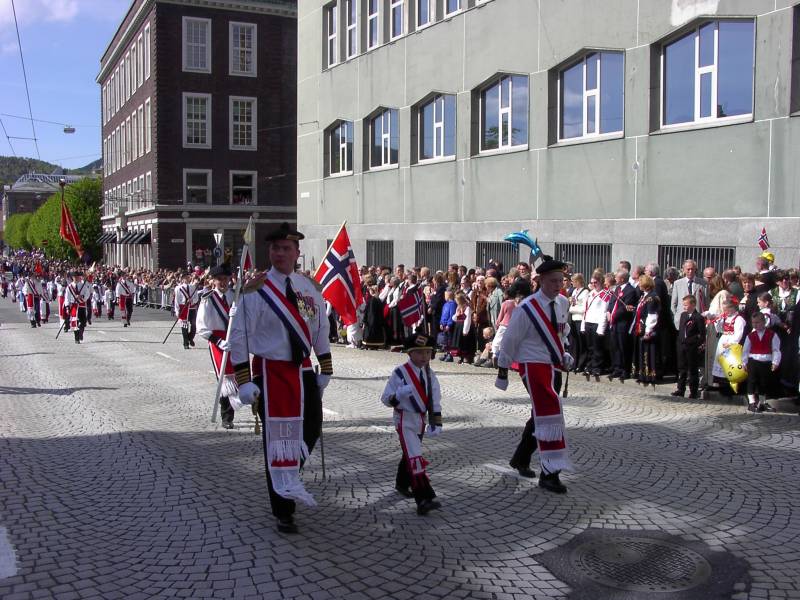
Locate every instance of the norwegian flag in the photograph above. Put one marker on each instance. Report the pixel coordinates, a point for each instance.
(411, 307)
(339, 278)
(763, 241)
(68, 231)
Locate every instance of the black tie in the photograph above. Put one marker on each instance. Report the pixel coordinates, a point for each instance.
(553, 318)
(690, 287)
(298, 352)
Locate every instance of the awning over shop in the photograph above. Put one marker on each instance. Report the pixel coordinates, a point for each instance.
(109, 237)
(127, 237)
(141, 237)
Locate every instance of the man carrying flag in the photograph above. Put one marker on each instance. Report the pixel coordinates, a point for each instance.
(338, 275)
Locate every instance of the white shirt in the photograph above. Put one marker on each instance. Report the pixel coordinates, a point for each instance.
(596, 311)
(521, 342)
(394, 383)
(77, 293)
(266, 334)
(186, 292)
(577, 309)
(208, 317)
(124, 288)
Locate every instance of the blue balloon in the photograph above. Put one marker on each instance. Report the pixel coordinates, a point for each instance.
(522, 237)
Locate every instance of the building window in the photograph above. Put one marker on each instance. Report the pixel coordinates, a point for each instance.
(135, 136)
(197, 45)
(584, 258)
(196, 120)
(504, 113)
(434, 255)
(719, 257)
(591, 94)
(708, 73)
(380, 253)
(243, 38)
(243, 123)
(437, 128)
(123, 83)
(140, 132)
(330, 30)
(197, 186)
(128, 77)
(148, 126)
(147, 51)
(373, 24)
(451, 6)
(140, 58)
(425, 10)
(385, 139)
(148, 185)
(352, 27)
(396, 18)
(243, 187)
(142, 191)
(135, 64)
(125, 142)
(340, 148)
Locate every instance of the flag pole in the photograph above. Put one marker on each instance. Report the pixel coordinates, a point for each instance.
(333, 241)
(249, 237)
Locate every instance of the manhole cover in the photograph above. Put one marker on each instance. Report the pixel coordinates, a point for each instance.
(640, 564)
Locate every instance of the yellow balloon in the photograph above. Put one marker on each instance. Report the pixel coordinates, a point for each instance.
(730, 360)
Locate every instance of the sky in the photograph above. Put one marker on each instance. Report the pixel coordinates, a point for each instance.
(62, 42)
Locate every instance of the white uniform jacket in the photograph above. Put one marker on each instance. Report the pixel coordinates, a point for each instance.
(522, 342)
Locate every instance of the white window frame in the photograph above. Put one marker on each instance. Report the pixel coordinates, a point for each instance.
(447, 13)
(431, 13)
(507, 110)
(135, 136)
(134, 66)
(343, 168)
(148, 185)
(140, 131)
(253, 50)
(438, 130)
(185, 97)
(698, 72)
(331, 31)
(128, 145)
(128, 76)
(148, 126)
(374, 16)
(123, 84)
(253, 125)
(117, 95)
(147, 51)
(255, 186)
(111, 95)
(184, 46)
(385, 116)
(392, 5)
(209, 187)
(351, 29)
(140, 58)
(113, 152)
(124, 144)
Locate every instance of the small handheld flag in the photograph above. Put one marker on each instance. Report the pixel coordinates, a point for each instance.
(763, 241)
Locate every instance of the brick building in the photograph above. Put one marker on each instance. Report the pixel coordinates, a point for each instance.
(199, 128)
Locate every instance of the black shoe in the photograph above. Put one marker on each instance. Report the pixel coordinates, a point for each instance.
(694, 396)
(191, 343)
(523, 471)
(552, 483)
(404, 492)
(764, 407)
(33, 325)
(186, 346)
(427, 506)
(286, 525)
(752, 407)
(227, 425)
(611, 376)
(587, 375)
(678, 393)
(124, 324)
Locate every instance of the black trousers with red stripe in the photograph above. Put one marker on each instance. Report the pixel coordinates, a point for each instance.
(421, 489)
(312, 425)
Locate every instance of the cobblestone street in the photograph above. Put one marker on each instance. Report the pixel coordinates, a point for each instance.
(115, 484)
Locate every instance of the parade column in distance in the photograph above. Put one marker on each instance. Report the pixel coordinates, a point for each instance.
(212, 325)
(186, 299)
(535, 340)
(279, 325)
(32, 292)
(76, 300)
(124, 293)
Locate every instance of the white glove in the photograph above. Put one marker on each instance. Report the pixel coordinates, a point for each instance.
(568, 361)
(404, 392)
(322, 381)
(434, 430)
(234, 309)
(248, 392)
(224, 345)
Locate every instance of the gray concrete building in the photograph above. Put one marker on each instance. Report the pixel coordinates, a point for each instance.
(611, 129)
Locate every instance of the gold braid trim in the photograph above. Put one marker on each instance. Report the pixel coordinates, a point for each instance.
(242, 373)
(436, 419)
(325, 364)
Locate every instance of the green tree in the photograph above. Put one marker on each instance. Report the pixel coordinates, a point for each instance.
(83, 199)
(16, 230)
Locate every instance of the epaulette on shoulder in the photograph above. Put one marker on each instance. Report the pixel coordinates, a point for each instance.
(204, 295)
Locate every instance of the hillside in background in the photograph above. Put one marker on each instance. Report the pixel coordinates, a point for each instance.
(12, 167)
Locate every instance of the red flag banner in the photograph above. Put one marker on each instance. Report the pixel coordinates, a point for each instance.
(411, 307)
(763, 241)
(339, 278)
(68, 231)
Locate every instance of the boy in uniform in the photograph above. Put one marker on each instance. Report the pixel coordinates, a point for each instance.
(413, 392)
(691, 341)
(761, 356)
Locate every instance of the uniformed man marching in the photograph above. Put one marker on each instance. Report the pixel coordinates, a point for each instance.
(124, 293)
(280, 325)
(212, 325)
(186, 298)
(76, 305)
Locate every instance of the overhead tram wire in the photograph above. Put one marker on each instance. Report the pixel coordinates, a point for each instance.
(25, 77)
(10, 145)
(45, 121)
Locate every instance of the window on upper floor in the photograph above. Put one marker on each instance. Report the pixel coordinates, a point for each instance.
(707, 74)
(591, 96)
(243, 49)
(197, 186)
(140, 58)
(243, 187)
(196, 121)
(351, 13)
(436, 122)
(196, 44)
(425, 12)
(147, 51)
(384, 136)
(452, 6)
(339, 146)
(148, 126)
(243, 119)
(331, 13)
(373, 24)
(396, 19)
(503, 106)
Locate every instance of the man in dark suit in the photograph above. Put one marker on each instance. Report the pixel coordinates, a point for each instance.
(666, 328)
(691, 341)
(620, 316)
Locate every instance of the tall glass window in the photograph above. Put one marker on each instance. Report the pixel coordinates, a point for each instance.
(504, 113)
(385, 139)
(591, 94)
(437, 128)
(340, 140)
